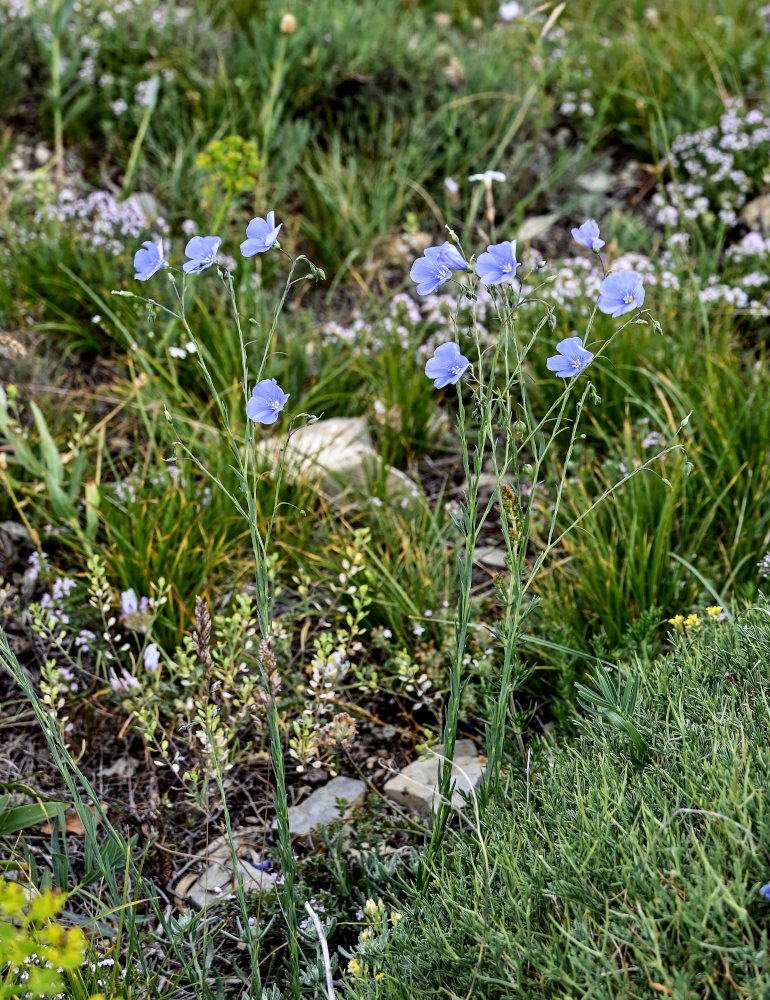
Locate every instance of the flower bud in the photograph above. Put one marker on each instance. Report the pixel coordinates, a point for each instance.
(288, 24)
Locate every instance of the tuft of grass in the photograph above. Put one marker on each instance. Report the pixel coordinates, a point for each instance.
(670, 541)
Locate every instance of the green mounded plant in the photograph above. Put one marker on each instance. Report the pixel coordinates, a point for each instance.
(626, 863)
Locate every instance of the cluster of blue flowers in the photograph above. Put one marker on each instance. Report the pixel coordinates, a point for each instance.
(267, 398)
(619, 293)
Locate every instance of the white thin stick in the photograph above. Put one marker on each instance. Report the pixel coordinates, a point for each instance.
(529, 757)
(324, 949)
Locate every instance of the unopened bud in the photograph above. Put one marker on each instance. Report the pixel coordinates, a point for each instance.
(267, 655)
(288, 24)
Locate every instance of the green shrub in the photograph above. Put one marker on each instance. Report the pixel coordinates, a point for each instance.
(609, 873)
(35, 949)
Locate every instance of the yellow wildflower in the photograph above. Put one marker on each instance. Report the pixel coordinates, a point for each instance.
(676, 620)
(395, 916)
(713, 611)
(354, 967)
(691, 621)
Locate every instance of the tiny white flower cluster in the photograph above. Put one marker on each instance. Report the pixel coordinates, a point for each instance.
(326, 674)
(715, 170)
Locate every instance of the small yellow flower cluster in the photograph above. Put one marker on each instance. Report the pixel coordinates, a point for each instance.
(357, 970)
(375, 912)
(693, 621)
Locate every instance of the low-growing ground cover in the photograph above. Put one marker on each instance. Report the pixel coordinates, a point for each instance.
(603, 871)
(204, 627)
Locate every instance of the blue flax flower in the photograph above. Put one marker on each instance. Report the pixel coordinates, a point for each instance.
(436, 267)
(203, 253)
(588, 236)
(447, 365)
(571, 359)
(148, 260)
(620, 293)
(764, 892)
(498, 263)
(267, 401)
(261, 235)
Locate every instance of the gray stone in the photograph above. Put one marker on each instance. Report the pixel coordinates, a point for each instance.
(254, 879)
(248, 841)
(415, 787)
(14, 530)
(320, 808)
(121, 767)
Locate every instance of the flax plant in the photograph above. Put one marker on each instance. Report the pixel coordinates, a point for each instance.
(242, 450)
(501, 425)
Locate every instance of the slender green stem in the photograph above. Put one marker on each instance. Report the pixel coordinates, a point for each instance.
(473, 522)
(136, 148)
(56, 100)
(247, 480)
(268, 108)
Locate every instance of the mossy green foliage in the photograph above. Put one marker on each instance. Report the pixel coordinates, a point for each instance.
(603, 877)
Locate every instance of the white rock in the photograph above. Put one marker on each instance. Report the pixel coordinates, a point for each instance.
(597, 181)
(216, 883)
(415, 787)
(536, 225)
(147, 205)
(490, 555)
(756, 214)
(42, 153)
(121, 767)
(334, 455)
(320, 808)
